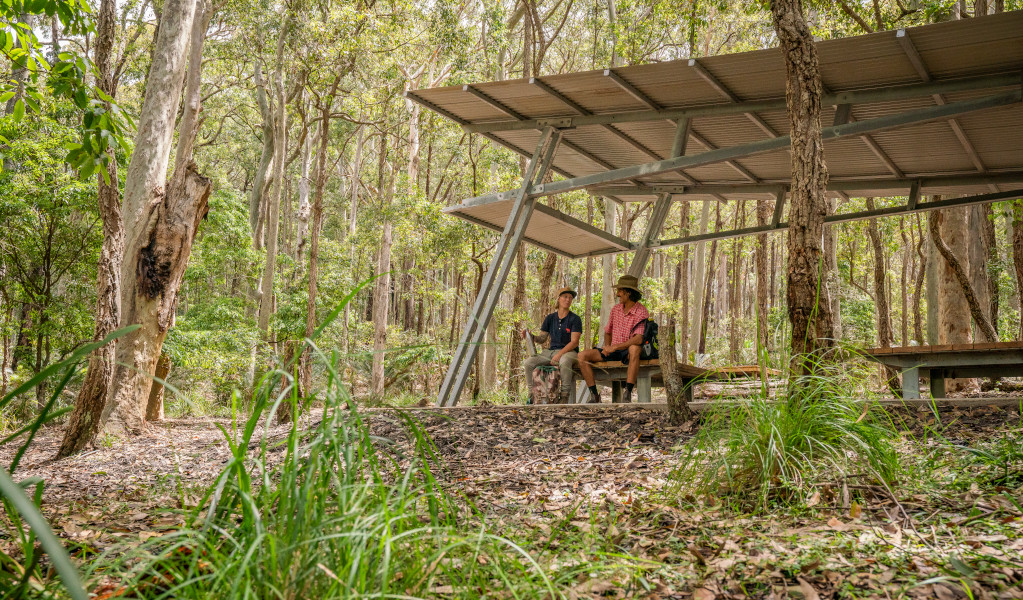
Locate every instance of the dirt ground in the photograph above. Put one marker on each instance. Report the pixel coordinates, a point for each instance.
(543, 471)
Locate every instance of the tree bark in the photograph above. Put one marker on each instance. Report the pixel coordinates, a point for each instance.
(314, 235)
(978, 253)
(959, 273)
(84, 422)
(154, 405)
(885, 336)
(280, 132)
(160, 219)
(382, 285)
(763, 338)
(1017, 255)
(809, 311)
(260, 182)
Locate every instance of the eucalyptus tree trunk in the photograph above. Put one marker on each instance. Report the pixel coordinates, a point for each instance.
(280, 142)
(978, 252)
(763, 338)
(809, 310)
(84, 422)
(1017, 255)
(314, 236)
(304, 210)
(382, 289)
(885, 336)
(260, 183)
(160, 225)
(834, 280)
(948, 230)
(699, 272)
(607, 298)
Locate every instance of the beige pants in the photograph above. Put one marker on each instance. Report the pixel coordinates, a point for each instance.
(565, 365)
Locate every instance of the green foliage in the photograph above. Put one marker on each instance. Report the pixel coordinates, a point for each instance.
(765, 450)
(342, 514)
(22, 574)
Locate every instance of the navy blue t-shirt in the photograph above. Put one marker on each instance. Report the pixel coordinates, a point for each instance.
(561, 329)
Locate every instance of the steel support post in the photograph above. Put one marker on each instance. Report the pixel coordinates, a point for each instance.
(661, 207)
(500, 266)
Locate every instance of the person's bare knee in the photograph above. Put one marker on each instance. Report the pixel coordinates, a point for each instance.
(633, 352)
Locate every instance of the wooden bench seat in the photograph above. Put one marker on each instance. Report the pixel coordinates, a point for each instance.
(614, 373)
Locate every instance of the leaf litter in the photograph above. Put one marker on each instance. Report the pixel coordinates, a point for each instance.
(583, 489)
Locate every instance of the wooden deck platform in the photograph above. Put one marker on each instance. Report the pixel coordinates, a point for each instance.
(999, 359)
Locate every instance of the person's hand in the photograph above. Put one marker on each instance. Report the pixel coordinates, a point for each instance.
(604, 352)
(555, 360)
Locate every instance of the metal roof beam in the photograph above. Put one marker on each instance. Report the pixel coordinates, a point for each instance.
(715, 83)
(583, 111)
(844, 218)
(834, 185)
(493, 103)
(632, 90)
(867, 96)
(858, 128)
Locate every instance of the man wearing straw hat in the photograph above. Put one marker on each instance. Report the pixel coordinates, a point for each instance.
(563, 327)
(622, 337)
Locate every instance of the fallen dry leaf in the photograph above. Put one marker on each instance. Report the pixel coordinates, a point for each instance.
(809, 592)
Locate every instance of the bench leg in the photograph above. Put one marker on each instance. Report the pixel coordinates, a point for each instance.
(617, 390)
(643, 385)
(937, 383)
(911, 384)
(687, 387)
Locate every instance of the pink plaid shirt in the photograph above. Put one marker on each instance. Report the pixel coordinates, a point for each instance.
(622, 324)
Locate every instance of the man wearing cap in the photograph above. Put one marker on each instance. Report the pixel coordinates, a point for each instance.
(563, 327)
(623, 337)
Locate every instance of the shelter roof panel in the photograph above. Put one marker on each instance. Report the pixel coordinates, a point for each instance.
(547, 228)
(881, 74)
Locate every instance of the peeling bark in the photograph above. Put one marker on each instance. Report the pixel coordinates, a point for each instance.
(961, 276)
(809, 310)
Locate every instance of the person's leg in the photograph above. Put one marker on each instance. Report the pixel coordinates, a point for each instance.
(585, 368)
(633, 372)
(568, 361)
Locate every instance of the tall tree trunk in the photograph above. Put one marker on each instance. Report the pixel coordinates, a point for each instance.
(154, 405)
(699, 272)
(280, 132)
(84, 422)
(932, 280)
(382, 285)
(607, 298)
(160, 218)
(834, 280)
(304, 208)
(260, 182)
(921, 272)
(314, 235)
(809, 311)
(978, 252)
(684, 278)
(885, 336)
(958, 273)
(763, 338)
(1017, 256)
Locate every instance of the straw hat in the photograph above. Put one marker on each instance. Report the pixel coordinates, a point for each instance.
(565, 290)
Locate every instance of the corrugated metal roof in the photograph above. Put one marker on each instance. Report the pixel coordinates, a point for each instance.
(947, 52)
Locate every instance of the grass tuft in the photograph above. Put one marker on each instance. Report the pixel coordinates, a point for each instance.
(765, 450)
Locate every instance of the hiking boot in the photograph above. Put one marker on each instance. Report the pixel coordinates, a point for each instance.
(626, 396)
(594, 398)
(565, 398)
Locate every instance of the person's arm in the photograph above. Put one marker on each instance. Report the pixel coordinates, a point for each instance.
(541, 338)
(572, 345)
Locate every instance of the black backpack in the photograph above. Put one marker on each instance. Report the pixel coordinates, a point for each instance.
(648, 350)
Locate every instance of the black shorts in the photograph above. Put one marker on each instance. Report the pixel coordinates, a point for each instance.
(619, 355)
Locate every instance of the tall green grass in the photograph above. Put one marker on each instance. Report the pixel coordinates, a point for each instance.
(22, 572)
(764, 450)
(326, 511)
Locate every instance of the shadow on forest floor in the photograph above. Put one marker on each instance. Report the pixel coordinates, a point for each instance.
(581, 485)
